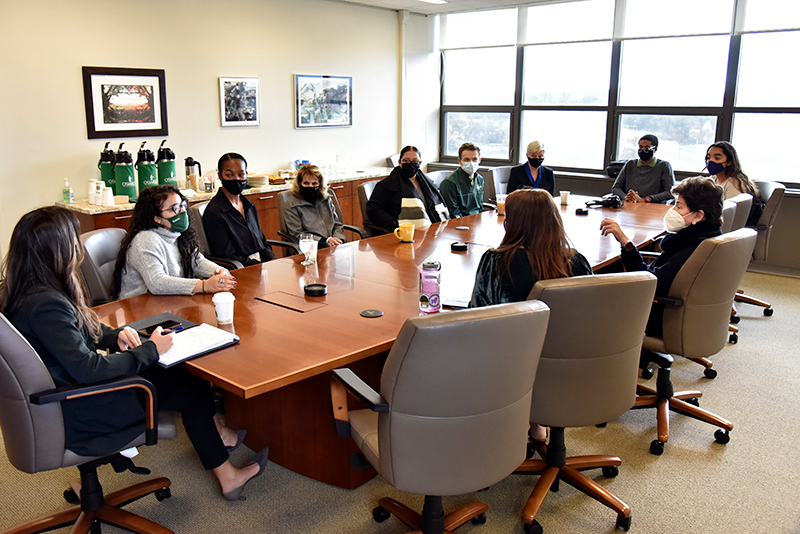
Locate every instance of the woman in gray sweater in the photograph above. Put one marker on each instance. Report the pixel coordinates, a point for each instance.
(310, 209)
(160, 252)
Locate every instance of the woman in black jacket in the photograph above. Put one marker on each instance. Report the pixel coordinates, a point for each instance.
(532, 173)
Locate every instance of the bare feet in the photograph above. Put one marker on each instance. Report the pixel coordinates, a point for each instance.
(229, 437)
(231, 477)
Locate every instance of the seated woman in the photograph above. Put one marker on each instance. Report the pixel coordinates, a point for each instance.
(231, 220)
(42, 296)
(310, 209)
(406, 196)
(534, 248)
(696, 215)
(723, 162)
(532, 173)
(160, 252)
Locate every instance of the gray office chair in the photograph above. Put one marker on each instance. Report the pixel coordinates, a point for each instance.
(451, 417)
(97, 268)
(437, 176)
(500, 176)
(744, 203)
(33, 433)
(196, 212)
(393, 160)
(364, 192)
(695, 324)
(772, 194)
(587, 376)
(728, 214)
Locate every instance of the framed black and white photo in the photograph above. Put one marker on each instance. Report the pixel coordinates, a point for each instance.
(323, 101)
(239, 101)
(124, 102)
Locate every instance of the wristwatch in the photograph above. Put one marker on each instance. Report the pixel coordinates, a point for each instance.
(647, 199)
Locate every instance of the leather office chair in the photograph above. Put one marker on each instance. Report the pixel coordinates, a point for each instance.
(196, 220)
(586, 379)
(452, 417)
(364, 192)
(743, 203)
(97, 268)
(437, 177)
(500, 176)
(33, 433)
(696, 315)
(772, 192)
(393, 160)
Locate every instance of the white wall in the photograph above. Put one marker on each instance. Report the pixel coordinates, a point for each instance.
(45, 43)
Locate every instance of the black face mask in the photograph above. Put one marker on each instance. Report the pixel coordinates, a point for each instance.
(234, 187)
(410, 169)
(310, 194)
(645, 155)
(535, 162)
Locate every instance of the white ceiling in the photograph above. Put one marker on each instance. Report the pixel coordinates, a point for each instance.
(416, 6)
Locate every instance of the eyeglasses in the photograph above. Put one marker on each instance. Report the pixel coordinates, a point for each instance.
(647, 148)
(404, 160)
(177, 208)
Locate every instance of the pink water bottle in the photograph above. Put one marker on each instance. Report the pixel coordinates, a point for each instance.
(429, 279)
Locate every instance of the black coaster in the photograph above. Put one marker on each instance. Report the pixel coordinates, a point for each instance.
(316, 290)
(371, 313)
(458, 246)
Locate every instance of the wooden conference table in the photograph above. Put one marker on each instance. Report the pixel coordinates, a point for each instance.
(276, 379)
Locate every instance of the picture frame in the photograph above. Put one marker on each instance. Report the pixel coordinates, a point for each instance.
(239, 101)
(323, 101)
(123, 102)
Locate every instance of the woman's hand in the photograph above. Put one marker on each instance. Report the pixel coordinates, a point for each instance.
(610, 226)
(163, 342)
(128, 338)
(334, 242)
(223, 281)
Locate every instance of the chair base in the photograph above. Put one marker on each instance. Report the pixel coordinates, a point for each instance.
(432, 520)
(557, 466)
(109, 513)
(741, 297)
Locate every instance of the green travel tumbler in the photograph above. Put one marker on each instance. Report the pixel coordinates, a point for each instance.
(125, 184)
(106, 166)
(166, 166)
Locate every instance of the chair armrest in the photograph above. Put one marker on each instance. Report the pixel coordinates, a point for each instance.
(669, 302)
(342, 381)
(228, 263)
(136, 383)
(285, 244)
(358, 230)
(375, 230)
(488, 206)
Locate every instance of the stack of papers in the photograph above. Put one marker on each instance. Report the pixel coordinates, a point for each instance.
(196, 341)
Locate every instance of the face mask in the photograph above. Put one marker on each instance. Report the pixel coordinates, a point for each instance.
(470, 167)
(410, 169)
(180, 222)
(644, 155)
(674, 221)
(535, 162)
(310, 194)
(234, 187)
(714, 167)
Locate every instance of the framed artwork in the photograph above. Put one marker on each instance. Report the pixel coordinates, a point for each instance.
(323, 101)
(124, 102)
(239, 101)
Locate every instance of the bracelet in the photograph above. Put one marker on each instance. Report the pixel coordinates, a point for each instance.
(204, 286)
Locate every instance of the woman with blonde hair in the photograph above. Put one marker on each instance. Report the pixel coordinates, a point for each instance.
(532, 173)
(310, 209)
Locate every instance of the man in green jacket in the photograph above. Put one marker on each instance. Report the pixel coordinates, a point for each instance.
(462, 190)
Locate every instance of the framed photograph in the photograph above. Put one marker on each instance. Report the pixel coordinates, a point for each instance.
(124, 102)
(323, 101)
(239, 101)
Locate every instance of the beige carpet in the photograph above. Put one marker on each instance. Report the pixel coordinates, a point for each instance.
(750, 485)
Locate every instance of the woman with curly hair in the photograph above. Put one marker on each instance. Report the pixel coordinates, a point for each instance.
(160, 254)
(310, 209)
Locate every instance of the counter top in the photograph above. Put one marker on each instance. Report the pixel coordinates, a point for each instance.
(83, 206)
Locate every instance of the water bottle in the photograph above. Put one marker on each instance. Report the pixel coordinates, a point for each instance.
(429, 279)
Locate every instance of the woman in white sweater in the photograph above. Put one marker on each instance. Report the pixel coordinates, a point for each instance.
(160, 253)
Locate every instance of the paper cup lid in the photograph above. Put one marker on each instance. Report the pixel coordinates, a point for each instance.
(225, 296)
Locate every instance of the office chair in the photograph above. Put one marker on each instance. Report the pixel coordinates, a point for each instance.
(744, 203)
(97, 268)
(772, 193)
(500, 176)
(196, 212)
(451, 417)
(728, 214)
(393, 160)
(283, 196)
(587, 376)
(437, 177)
(33, 433)
(365, 190)
(696, 315)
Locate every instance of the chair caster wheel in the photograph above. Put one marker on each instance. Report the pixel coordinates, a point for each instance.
(380, 514)
(647, 373)
(735, 319)
(768, 312)
(533, 528)
(478, 519)
(71, 497)
(624, 522)
(656, 447)
(734, 338)
(722, 436)
(710, 373)
(163, 493)
(694, 401)
(610, 471)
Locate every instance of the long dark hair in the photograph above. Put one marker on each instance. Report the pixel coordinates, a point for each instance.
(46, 251)
(734, 170)
(534, 224)
(148, 207)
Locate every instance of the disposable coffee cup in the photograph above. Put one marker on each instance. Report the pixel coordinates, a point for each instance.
(223, 306)
(108, 197)
(501, 204)
(564, 197)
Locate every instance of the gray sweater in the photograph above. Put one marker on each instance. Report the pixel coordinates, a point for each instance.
(319, 219)
(153, 263)
(654, 182)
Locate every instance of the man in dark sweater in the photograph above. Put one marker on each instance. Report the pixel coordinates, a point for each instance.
(646, 179)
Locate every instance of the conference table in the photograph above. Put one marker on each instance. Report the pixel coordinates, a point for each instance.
(276, 379)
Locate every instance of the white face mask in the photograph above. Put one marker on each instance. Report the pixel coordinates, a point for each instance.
(674, 221)
(470, 167)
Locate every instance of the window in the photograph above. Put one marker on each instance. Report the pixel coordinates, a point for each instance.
(756, 136)
(584, 81)
(570, 138)
(656, 18)
(568, 21)
(479, 28)
(490, 131)
(481, 76)
(682, 139)
(764, 83)
(771, 15)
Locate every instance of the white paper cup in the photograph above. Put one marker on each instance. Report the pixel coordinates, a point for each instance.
(108, 197)
(223, 306)
(92, 190)
(564, 197)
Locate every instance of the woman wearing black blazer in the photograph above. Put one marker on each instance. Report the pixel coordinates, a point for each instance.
(533, 173)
